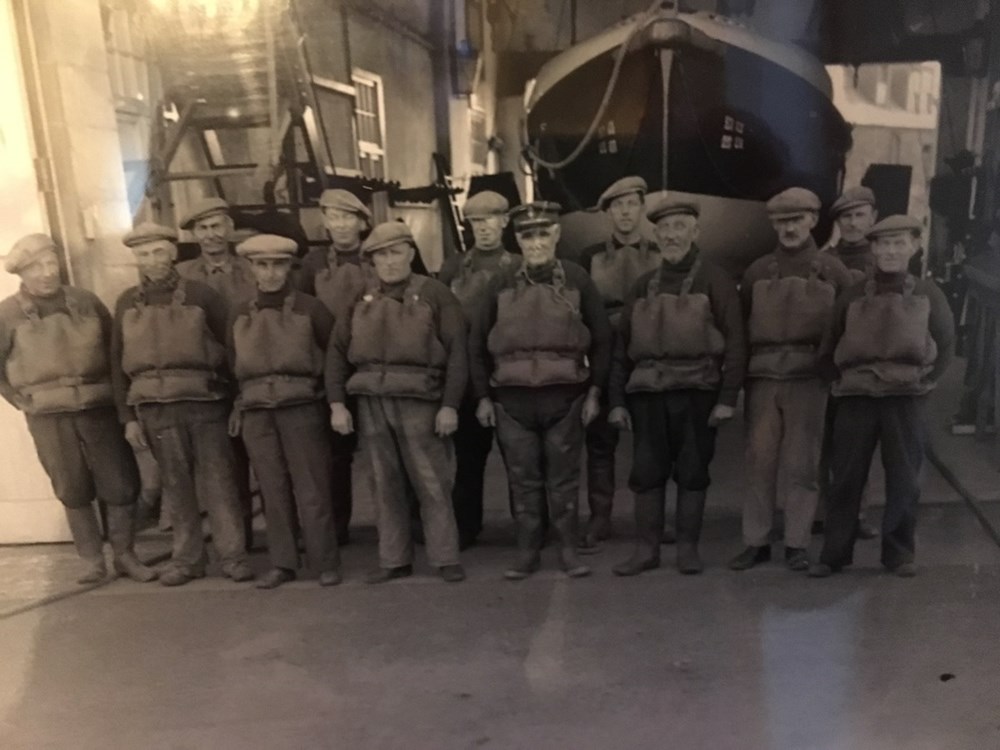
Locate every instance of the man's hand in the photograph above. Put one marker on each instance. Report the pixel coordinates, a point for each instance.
(235, 422)
(720, 414)
(620, 418)
(485, 413)
(446, 421)
(135, 436)
(341, 420)
(591, 408)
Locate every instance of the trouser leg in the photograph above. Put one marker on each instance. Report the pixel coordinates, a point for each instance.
(601, 442)
(266, 452)
(903, 443)
(803, 407)
(521, 447)
(429, 461)
(651, 468)
(304, 432)
(855, 432)
(61, 453)
(379, 447)
(341, 472)
(763, 440)
(473, 443)
(111, 461)
(825, 458)
(241, 475)
(562, 444)
(695, 448)
(215, 479)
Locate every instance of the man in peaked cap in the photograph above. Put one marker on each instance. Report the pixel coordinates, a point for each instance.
(54, 341)
(788, 298)
(401, 351)
(539, 356)
(172, 390)
(209, 221)
(277, 344)
(891, 340)
(468, 276)
(680, 356)
(336, 275)
(614, 264)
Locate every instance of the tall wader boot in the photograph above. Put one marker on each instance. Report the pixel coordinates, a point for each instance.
(690, 513)
(530, 532)
(564, 521)
(649, 512)
(89, 545)
(121, 532)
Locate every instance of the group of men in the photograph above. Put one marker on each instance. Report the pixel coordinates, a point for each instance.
(244, 358)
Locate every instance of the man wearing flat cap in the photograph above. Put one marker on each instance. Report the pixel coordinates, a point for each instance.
(539, 357)
(614, 265)
(892, 338)
(401, 351)
(172, 389)
(680, 356)
(337, 275)
(54, 344)
(788, 297)
(468, 275)
(277, 346)
(210, 223)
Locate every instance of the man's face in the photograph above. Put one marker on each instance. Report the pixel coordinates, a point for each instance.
(488, 230)
(41, 277)
(271, 273)
(794, 231)
(212, 233)
(854, 223)
(345, 227)
(625, 212)
(155, 259)
(392, 264)
(893, 251)
(675, 235)
(538, 244)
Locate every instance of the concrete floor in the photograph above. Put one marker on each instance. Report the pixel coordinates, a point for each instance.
(763, 659)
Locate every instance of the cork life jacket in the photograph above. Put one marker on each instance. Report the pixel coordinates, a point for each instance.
(615, 270)
(469, 286)
(341, 282)
(886, 348)
(539, 337)
(59, 363)
(787, 322)
(674, 341)
(395, 347)
(169, 352)
(278, 362)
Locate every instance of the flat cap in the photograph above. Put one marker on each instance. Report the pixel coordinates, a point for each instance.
(617, 189)
(147, 231)
(669, 206)
(852, 198)
(896, 223)
(486, 203)
(202, 209)
(792, 202)
(267, 246)
(534, 215)
(26, 251)
(344, 200)
(387, 234)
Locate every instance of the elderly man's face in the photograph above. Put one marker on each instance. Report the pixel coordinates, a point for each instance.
(538, 244)
(271, 273)
(345, 227)
(854, 223)
(894, 250)
(212, 233)
(155, 259)
(392, 264)
(488, 230)
(626, 211)
(675, 235)
(794, 231)
(41, 276)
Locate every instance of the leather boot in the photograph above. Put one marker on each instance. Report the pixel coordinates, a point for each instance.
(121, 531)
(690, 513)
(89, 545)
(648, 532)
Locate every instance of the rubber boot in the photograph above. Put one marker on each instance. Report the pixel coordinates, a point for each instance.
(89, 545)
(690, 512)
(648, 529)
(121, 532)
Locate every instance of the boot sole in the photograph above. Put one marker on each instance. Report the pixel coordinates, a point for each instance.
(629, 572)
